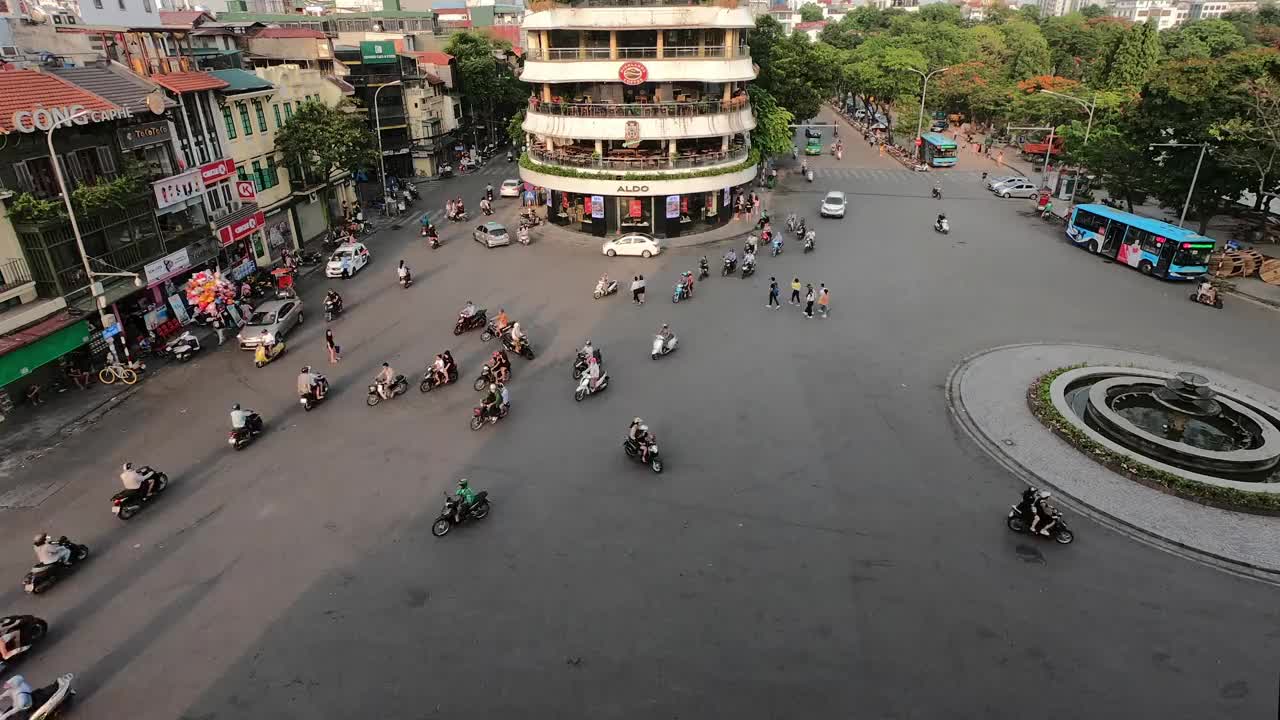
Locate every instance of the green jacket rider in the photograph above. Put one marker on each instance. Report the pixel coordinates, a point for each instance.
(466, 498)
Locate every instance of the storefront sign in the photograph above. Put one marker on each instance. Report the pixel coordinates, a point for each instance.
(136, 136)
(633, 73)
(586, 204)
(633, 188)
(377, 52)
(217, 170)
(176, 188)
(42, 119)
(246, 191)
(166, 266)
(241, 229)
(179, 309)
(631, 131)
(673, 207)
(726, 197)
(635, 209)
(597, 206)
(279, 234)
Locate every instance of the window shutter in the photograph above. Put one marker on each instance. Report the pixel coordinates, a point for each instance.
(24, 177)
(106, 160)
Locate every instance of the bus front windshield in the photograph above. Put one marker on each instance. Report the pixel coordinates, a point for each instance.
(1192, 255)
(943, 151)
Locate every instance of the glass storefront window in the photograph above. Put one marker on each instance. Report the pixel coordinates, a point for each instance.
(635, 214)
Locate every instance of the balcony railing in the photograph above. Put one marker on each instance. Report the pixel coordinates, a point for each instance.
(682, 161)
(540, 5)
(634, 110)
(13, 272)
(670, 52)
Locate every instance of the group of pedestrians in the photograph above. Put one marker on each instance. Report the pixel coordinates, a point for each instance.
(821, 296)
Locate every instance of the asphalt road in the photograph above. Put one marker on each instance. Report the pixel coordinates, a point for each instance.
(824, 542)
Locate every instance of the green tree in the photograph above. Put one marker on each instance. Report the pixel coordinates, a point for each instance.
(1117, 160)
(1026, 51)
(1093, 11)
(1134, 56)
(1029, 13)
(798, 73)
(1202, 39)
(321, 140)
(515, 128)
(809, 12)
(490, 89)
(941, 12)
(844, 35)
(1251, 140)
(773, 134)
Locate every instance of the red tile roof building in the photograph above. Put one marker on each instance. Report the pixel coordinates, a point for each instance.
(29, 89)
(185, 82)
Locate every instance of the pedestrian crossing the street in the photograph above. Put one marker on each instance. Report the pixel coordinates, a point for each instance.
(897, 176)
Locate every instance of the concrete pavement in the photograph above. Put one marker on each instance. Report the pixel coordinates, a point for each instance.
(823, 542)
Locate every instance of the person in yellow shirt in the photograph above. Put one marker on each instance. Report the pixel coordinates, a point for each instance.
(795, 291)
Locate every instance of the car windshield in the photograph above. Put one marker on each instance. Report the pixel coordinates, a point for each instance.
(511, 183)
(262, 318)
(340, 255)
(834, 199)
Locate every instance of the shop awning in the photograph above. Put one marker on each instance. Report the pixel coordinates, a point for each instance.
(20, 359)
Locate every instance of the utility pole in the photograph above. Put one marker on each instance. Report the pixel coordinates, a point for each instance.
(1204, 147)
(924, 90)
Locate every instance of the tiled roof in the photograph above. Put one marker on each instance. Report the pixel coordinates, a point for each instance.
(431, 56)
(185, 18)
(113, 84)
(29, 89)
(239, 81)
(185, 82)
(815, 25)
(451, 11)
(283, 33)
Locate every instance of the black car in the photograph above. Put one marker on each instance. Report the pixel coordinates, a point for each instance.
(812, 134)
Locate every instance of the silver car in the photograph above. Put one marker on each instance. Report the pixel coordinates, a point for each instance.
(1016, 189)
(993, 183)
(277, 317)
(492, 234)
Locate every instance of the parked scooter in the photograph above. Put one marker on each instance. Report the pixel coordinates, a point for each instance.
(183, 347)
(18, 634)
(661, 347)
(264, 356)
(42, 577)
(126, 503)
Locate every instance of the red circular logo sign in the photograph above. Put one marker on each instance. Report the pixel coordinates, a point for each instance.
(633, 73)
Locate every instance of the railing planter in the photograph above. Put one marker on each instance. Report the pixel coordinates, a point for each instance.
(528, 163)
(663, 162)
(630, 110)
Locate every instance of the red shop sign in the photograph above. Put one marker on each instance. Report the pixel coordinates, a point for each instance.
(242, 229)
(217, 170)
(633, 73)
(634, 209)
(586, 205)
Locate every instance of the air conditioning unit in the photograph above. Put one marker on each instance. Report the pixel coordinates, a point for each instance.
(8, 51)
(313, 197)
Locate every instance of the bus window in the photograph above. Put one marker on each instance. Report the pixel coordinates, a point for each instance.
(1091, 222)
(1150, 243)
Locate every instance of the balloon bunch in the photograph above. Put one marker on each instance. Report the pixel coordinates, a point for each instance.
(207, 291)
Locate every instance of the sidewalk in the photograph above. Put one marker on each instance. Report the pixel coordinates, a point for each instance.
(731, 230)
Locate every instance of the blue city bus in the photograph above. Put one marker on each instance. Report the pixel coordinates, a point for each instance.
(1150, 246)
(939, 150)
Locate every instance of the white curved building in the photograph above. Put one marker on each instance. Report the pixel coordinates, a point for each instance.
(638, 117)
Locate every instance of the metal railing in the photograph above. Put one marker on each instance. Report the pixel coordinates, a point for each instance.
(645, 110)
(13, 272)
(670, 52)
(682, 161)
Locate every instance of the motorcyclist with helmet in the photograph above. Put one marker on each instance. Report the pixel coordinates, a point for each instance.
(500, 365)
(489, 407)
(1042, 511)
(639, 434)
(309, 382)
(517, 337)
(333, 301)
(704, 268)
(48, 552)
(466, 498)
(243, 419)
(134, 480)
(439, 370)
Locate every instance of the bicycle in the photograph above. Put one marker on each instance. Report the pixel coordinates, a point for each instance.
(116, 371)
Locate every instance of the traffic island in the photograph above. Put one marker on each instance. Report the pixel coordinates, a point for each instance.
(1003, 398)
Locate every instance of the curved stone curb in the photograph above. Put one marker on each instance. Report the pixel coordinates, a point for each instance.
(986, 394)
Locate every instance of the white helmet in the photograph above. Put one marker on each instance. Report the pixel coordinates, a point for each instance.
(127, 467)
(637, 421)
(644, 428)
(493, 387)
(1044, 495)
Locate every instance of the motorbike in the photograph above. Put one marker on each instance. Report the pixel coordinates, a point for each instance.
(661, 348)
(1019, 522)
(478, 418)
(584, 386)
(429, 381)
(728, 268)
(679, 292)
(510, 157)
(777, 249)
(942, 226)
(406, 281)
(526, 348)
(603, 290)
(809, 176)
(42, 577)
(632, 449)
(126, 503)
(704, 272)
(263, 355)
(313, 257)
(332, 309)
(478, 510)
(800, 229)
(49, 701)
(475, 321)
(530, 218)
(29, 629)
(808, 242)
(310, 400)
(486, 210)
(748, 269)
(238, 438)
(446, 173)
(580, 362)
(1203, 299)
(522, 235)
(399, 386)
(486, 378)
(937, 194)
(183, 347)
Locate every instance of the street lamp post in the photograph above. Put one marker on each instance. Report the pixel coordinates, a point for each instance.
(75, 226)
(1195, 176)
(1091, 106)
(924, 90)
(377, 125)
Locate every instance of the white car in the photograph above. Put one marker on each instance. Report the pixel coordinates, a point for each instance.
(347, 259)
(833, 204)
(1016, 189)
(510, 188)
(994, 183)
(632, 244)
